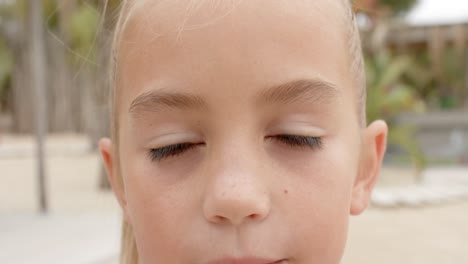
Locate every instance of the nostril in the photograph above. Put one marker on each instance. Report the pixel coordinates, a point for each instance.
(219, 219)
(222, 219)
(254, 216)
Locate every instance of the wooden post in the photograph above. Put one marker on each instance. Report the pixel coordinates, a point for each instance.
(465, 98)
(436, 46)
(464, 51)
(460, 45)
(38, 82)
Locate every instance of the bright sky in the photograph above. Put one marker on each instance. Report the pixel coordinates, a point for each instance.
(429, 12)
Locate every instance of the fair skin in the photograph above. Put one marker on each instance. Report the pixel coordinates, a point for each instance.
(239, 139)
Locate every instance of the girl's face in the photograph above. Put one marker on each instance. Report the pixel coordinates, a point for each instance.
(239, 140)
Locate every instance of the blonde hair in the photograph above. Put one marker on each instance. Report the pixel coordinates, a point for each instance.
(129, 254)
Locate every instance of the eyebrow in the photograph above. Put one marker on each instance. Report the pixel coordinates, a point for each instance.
(153, 101)
(307, 90)
(310, 90)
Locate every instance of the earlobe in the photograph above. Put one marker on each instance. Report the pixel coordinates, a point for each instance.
(372, 153)
(107, 154)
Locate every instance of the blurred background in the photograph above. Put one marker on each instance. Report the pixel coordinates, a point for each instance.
(55, 202)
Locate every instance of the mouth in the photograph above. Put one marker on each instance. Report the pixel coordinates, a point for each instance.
(249, 260)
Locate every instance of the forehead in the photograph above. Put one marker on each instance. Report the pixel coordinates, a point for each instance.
(227, 44)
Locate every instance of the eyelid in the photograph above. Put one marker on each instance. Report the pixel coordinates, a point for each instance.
(170, 139)
(297, 124)
(298, 131)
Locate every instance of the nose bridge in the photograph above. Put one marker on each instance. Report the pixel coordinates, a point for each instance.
(237, 190)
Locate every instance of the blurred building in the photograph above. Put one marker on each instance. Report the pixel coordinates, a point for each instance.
(438, 28)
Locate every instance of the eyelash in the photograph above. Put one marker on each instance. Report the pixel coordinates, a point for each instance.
(299, 141)
(293, 141)
(170, 151)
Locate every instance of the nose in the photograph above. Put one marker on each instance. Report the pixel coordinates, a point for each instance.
(236, 195)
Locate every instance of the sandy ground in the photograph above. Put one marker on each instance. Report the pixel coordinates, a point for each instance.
(83, 224)
(437, 234)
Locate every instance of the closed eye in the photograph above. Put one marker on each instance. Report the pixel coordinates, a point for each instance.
(299, 141)
(294, 141)
(159, 154)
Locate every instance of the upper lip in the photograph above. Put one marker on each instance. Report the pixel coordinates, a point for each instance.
(246, 260)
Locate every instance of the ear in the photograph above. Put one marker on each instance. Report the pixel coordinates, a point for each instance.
(108, 155)
(374, 142)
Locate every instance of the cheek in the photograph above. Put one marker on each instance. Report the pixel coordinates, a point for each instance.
(160, 209)
(317, 204)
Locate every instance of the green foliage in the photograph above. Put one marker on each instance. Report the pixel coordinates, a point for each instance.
(388, 96)
(6, 67)
(439, 91)
(50, 13)
(451, 83)
(82, 28)
(16, 10)
(398, 6)
(6, 11)
(420, 77)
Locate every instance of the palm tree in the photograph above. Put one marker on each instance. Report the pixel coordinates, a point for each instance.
(388, 96)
